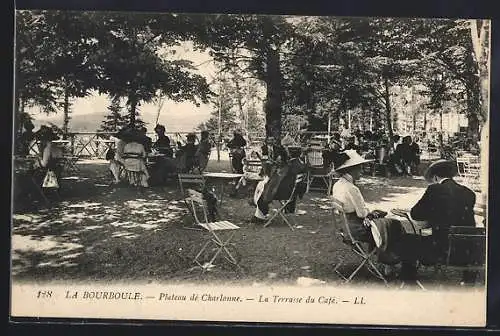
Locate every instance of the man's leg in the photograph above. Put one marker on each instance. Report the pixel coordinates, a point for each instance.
(290, 208)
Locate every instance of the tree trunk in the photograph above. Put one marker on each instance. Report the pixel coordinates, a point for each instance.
(66, 113)
(441, 127)
(133, 108)
(273, 94)
(473, 108)
(425, 123)
(388, 118)
(239, 99)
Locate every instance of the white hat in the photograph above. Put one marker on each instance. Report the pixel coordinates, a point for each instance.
(354, 160)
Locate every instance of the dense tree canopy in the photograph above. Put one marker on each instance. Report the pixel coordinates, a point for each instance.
(310, 67)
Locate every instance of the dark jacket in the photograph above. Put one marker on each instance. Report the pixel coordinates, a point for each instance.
(443, 205)
(281, 183)
(163, 146)
(236, 142)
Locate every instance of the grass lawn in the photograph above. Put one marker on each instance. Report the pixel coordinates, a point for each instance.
(103, 233)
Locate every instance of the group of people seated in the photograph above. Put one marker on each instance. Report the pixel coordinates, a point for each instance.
(45, 167)
(402, 158)
(445, 203)
(128, 161)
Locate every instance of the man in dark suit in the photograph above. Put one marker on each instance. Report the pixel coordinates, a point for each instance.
(445, 203)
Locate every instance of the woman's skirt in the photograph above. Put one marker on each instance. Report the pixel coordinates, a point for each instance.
(136, 172)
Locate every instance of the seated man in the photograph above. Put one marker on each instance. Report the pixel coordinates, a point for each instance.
(186, 154)
(445, 203)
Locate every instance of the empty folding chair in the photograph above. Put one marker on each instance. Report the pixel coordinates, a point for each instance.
(317, 171)
(366, 256)
(219, 237)
(280, 211)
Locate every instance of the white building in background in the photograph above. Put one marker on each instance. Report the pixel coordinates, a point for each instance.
(411, 115)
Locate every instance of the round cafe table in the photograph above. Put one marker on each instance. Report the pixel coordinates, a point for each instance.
(221, 179)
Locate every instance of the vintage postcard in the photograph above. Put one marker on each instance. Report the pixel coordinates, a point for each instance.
(250, 168)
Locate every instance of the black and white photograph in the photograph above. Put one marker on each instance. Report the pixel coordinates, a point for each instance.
(250, 168)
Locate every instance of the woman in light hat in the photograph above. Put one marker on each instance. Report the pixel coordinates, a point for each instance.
(390, 233)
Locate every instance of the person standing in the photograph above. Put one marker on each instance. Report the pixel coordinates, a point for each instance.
(115, 157)
(203, 151)
(26, 138)
(237, 149)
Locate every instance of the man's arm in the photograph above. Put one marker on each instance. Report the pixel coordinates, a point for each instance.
(420, 211)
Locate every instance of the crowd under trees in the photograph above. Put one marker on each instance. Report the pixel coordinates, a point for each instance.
(309, 68)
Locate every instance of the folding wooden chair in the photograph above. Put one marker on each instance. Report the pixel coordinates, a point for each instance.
(317, 171)
(344, 232)
(466, 248)
(280, 211)
(196, 180)
(219, 237)
(469, 171)
(25, 170)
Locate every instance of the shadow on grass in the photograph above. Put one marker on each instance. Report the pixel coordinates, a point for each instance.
(102, 233)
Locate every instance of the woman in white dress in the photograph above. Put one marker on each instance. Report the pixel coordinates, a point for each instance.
(131, 155)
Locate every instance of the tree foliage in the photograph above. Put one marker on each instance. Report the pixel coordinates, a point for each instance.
(69, 53)
(114, 120)
(312, 68)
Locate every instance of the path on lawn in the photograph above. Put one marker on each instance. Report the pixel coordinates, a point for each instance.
(104, 233)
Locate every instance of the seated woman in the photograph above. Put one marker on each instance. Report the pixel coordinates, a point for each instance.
(279, 185)
(162, 143)
(390, 250)
(164, 166)
(49, 166)
(134, 158)
(50, 152)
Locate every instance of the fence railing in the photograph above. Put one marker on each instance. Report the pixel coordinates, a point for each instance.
(94, 145)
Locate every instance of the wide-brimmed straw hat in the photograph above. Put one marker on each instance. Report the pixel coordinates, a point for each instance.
(442, 168)
(352, 159)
